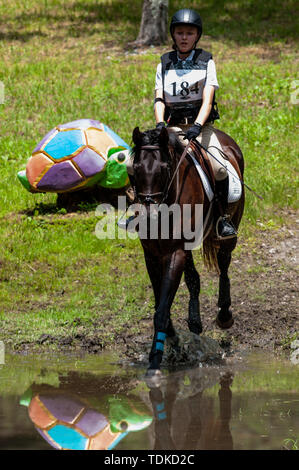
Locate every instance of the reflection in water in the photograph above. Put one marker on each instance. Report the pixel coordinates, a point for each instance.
(95, 404)
(88, 413)
(180, 423)
(68, 421)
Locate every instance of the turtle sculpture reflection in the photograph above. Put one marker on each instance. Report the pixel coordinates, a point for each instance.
(68, 422)
(77, 155)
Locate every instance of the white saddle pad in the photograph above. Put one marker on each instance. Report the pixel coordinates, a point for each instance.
(235, 185)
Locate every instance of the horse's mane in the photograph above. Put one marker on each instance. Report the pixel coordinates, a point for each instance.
(175, 142)
(151, 137)
(148, 138)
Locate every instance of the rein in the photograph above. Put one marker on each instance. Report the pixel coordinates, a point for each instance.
(176, 173)
(165, 193)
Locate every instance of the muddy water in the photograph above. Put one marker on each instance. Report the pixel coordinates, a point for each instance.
(249, 402)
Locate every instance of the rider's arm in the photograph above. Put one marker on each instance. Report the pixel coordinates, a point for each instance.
(159, 106)
(207, 103)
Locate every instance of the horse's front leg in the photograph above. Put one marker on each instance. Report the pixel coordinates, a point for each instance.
(173, 266)
(155, 271)
(162, 424)
(193, 283)
(224, 318)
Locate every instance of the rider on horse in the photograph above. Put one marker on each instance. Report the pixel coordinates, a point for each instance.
(185, 98)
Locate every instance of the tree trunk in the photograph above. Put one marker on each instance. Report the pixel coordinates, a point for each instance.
(153, 28)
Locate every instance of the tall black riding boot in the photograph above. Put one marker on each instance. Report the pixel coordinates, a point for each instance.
(224, 228)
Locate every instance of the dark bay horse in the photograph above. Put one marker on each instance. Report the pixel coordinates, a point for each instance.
(162, 176)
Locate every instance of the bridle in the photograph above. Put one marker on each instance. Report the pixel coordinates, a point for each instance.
(148, 198)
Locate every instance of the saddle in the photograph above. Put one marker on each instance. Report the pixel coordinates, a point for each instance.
(203, 166)
(205, 162)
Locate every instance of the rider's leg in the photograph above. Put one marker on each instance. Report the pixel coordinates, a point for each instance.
(224, 229)
(209, 140)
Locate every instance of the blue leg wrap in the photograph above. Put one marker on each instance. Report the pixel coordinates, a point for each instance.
(160, 341)
(161, 414)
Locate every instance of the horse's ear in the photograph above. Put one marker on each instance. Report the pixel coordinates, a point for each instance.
(163, 137)
(137, 136)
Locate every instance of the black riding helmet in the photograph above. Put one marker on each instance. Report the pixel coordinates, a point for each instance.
(189, 17)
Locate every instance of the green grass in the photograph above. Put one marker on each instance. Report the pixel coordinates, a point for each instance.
(65, 60)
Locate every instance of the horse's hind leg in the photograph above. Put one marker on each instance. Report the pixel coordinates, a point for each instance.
(193, 283)
(224, 318)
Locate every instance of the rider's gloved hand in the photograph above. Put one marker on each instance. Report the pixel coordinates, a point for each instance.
(193, 131)
(160, 125)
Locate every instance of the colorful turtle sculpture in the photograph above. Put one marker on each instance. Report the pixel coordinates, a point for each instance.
(77, 155)
(67, 422)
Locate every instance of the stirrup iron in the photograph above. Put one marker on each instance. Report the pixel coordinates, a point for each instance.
(224, 228)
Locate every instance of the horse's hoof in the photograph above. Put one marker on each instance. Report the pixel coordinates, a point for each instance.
(225, 325)
(195, 327)
(153, 378)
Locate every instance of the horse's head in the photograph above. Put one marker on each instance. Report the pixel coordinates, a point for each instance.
(151, 165)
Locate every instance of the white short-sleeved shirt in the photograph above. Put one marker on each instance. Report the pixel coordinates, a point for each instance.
(185, 81)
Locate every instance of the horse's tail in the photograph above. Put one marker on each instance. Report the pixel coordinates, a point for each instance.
(209, 250)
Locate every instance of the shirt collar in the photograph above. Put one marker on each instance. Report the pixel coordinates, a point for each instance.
(189, 58)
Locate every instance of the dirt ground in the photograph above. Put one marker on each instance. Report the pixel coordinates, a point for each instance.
(264, 287)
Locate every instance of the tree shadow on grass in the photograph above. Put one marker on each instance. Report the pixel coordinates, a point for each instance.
(17, 36)
(79, 20)
(243, 22)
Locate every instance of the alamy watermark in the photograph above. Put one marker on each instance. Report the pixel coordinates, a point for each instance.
(2, 353)
(294, 98)
(1, 92)
(152, 222)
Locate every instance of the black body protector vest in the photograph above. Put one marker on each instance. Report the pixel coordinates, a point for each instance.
(178, 113)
